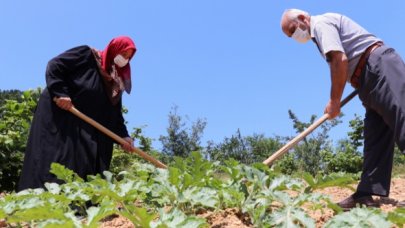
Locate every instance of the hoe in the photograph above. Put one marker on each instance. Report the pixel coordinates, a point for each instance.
(303, 134)
(116, 137)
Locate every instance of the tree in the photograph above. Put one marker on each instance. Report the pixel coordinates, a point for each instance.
(10, 95)
(356, 135)
(308, 152)
(263, 147)
(180, 140)
(16, 113)
(247, 150)
(344, 158)
(235, 147)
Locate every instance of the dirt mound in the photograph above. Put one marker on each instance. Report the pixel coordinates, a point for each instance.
(387, 204)
(337, 194)
(230, 217)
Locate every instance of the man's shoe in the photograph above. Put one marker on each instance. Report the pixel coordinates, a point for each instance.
(351, 202)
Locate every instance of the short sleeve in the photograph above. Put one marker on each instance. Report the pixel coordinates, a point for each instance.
(327, 37)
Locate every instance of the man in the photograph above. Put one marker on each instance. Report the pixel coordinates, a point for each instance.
(378, 73)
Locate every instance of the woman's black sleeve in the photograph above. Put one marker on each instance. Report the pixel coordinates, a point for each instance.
(58, 72)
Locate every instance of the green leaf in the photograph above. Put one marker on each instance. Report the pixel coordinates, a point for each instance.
(53, 188)
(64, 174)
(291, 217)
(174, 175)
(177, 219)
(201, 196)
(334, 179)
(138, 216)
(37, 213)
(231, 197)
(397, 216)
(359, 217)
(95, 214)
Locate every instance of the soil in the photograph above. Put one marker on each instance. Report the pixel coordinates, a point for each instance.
(232, 217)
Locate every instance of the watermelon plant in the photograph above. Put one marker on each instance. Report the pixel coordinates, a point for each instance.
(152, 197)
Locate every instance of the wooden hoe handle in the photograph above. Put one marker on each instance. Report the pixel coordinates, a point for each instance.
(303, 134)
(115, 137)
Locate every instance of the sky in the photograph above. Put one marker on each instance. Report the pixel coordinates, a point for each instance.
(220, 60)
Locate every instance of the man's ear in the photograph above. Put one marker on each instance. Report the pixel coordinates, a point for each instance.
(301, 17)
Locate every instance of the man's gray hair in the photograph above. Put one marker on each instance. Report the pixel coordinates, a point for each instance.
(292, 14)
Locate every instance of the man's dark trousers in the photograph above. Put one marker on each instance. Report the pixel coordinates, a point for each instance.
(382, 91)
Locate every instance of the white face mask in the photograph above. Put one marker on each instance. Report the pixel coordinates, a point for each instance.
(300, 35)
(120, 61)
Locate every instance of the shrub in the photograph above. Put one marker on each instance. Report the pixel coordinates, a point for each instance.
(16, 114)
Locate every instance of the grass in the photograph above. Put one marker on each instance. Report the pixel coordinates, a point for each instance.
(399, 171)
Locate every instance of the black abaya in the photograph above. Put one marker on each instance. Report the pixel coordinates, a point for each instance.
(57, 135)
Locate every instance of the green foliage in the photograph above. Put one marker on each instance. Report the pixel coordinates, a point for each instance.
(247, 150)
(145, 143)
(344, 159)
(291, 217)
(399, 157)
(64, 174)
(315, 153)
(16, 114)
(335, 179)
(9, 95)
(180, 140)
(235, 147)
(122, 160)
(288, 164)
(37, 208)
(262, 147)
(359, 217)
(176, 218)
(152, 197)
(356, 139)
(266, 193)
(59, 204)
(397, 217)
(356, 135)
(308, 151)
(399, 170)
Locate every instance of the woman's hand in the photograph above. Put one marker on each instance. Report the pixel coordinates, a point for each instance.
(63, 102)
(129, 145)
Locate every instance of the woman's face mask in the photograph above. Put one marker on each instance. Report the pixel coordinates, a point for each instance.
(120, 60)
(300, 35)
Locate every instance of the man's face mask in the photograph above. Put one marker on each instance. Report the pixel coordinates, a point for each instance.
(120, 61)
(300, 35)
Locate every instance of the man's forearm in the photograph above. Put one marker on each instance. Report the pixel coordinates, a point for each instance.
(338, 67)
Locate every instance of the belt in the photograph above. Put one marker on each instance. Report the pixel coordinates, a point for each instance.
(355, 80)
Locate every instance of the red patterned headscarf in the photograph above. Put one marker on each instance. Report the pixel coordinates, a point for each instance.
(115, 47)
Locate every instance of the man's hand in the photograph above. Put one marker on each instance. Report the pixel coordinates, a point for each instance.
(129, 145)
(332, 109)
(63, 102)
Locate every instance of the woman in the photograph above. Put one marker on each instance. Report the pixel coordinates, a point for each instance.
(93, 81)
